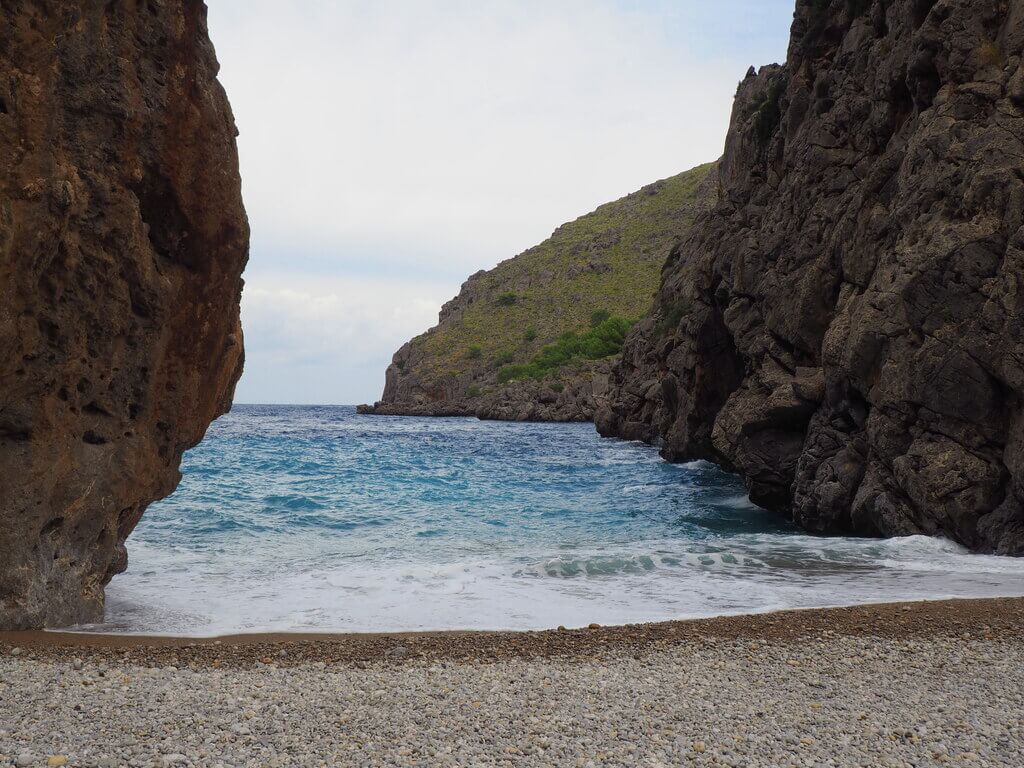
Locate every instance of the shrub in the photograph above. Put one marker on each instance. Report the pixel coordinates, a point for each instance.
(474, 353)
(599, 317)
(531, 334)
(517, 373)
(503, 359)
(602, 341)
(556, 386)
(507, 299)
(472, 391)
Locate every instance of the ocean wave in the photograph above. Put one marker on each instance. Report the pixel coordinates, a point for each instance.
(313, 518)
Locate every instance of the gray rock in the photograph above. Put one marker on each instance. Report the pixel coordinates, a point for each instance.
(844, 328)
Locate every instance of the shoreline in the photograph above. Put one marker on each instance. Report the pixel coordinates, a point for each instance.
(989, 618)
(889, 684)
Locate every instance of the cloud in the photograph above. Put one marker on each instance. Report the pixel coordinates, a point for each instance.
(328, 339)
(421, 141)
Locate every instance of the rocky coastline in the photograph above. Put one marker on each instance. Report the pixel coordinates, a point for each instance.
(845, 328)
(576, 400)
(606, 262)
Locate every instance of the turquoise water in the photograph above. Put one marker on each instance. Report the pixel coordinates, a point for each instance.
(313, 518)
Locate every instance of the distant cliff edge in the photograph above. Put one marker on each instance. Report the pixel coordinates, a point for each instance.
(122, 241)
(846, 328)
(534, 338)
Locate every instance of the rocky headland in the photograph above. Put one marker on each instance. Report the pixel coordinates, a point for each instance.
(844, 329)
(122, 242)
(590, 278)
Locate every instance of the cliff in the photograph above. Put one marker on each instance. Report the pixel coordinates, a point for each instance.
(122, 241)
(845, 328)
(500, 349)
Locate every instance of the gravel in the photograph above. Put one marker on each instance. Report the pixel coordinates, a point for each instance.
(831, 698)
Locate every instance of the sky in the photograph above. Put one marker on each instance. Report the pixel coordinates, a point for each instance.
(391, 148)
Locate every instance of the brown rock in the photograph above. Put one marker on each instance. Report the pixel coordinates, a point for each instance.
(845, 328)
(122, 239)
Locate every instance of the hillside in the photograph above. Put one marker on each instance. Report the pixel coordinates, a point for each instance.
(502, 349)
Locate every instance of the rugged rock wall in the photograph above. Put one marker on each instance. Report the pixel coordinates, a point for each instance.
(122, 239)
(609, 260)
(574, 398)
(845, 328)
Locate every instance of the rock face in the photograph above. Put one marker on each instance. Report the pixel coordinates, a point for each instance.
(573, 398)
(845, 328)
(122, 241)
(607, 261)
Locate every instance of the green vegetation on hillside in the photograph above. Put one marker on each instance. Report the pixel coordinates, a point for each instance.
(603, 340)
(561, 301)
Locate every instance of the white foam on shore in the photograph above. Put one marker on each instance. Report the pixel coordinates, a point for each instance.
(184, 593)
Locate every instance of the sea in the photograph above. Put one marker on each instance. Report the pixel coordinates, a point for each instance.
(314, 518)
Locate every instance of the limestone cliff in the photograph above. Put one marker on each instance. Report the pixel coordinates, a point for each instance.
(479, 359)
(122, 241)
(845, 328)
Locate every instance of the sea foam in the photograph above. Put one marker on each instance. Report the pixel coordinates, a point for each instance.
(314, 518)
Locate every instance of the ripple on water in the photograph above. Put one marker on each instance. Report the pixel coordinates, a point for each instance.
(316, 518)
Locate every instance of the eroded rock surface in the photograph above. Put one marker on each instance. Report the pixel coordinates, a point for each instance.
(122, 241)
(845, 328)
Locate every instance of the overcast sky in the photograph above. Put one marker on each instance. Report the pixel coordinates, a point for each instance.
(390, 148)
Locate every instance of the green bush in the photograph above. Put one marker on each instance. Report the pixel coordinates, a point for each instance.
(474, 353)
(601, 341)
(599, 317)
(531, 334)
(472, 391)
(556, 386)
(518, 373)
(507, 299)
(503, 359)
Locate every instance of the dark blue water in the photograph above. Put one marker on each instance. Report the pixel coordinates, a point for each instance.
(316, 518)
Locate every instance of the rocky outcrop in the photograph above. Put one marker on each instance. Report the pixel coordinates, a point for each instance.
(608, 261)
(122, 239)
(845, 328)
(572, 398)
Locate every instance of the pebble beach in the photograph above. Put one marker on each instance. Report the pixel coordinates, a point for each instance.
(938, 683)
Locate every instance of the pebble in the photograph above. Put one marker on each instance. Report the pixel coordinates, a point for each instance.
(851, 701)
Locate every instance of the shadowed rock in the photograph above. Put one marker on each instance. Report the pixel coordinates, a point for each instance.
(122, 239)
(844, 329)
